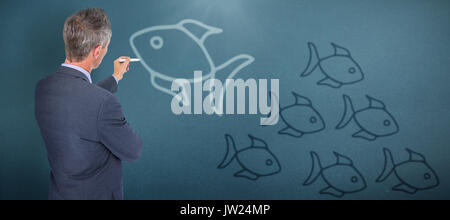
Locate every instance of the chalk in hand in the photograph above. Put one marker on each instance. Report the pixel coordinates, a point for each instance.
(131, 60)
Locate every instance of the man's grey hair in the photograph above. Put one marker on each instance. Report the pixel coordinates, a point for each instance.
(85, 30)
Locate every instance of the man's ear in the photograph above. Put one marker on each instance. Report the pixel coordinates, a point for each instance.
(96, 51)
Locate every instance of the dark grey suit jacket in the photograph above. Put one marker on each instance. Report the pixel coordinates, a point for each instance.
(86, 136)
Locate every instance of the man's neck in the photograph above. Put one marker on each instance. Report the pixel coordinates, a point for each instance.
(82, 64)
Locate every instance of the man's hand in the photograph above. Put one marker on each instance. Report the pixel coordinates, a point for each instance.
(121, 68)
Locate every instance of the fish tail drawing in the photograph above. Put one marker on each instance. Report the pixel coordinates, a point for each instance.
(316, 169)
(230, 154)
(388, 166)
(348, 113)
(313, 60)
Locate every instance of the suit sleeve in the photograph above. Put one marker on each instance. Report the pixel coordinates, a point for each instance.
(110, 84)
(115, 132)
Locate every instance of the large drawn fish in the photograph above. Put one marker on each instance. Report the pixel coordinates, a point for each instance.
(339, 69)
(374, 121)
(175, 51)
(341, 178)
(301, 118)
(256, 161)
(414, 174)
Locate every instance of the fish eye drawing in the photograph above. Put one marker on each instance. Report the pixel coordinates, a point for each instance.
(373, 121)
(255, 161)
(167, 42)
(341, 178)
(414, 174)
(339, 68)
(301, 118)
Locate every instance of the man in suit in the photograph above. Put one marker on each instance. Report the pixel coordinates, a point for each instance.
(82, 124)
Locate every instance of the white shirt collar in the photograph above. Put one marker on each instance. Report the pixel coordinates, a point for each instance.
(86, 73)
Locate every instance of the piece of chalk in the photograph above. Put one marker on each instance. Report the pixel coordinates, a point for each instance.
(131, 60)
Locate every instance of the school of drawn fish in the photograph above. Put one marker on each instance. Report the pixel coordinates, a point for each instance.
(301, 118)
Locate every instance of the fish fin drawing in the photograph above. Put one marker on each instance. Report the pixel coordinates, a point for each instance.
(291, 132)
(343, 160)
(256, 142)
(246, 174)
(242, 60)
(388, 167)
(301, 100)
(340, 51)
(230, 154)
(375, 103)
(189, 25)
(329, 82)
(414, 156)
(316, 169)
(332, 191)
(313, 61)
(364, 135)
(404, 188)
(349, 111)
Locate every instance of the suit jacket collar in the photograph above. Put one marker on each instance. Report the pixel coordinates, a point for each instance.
(72, 72)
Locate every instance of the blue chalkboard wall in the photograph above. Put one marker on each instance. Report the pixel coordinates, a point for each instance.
(370, 117)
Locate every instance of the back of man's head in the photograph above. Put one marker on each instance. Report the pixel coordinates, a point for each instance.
(85, 30)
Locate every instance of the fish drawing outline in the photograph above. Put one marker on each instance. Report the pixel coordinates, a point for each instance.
(334, 175)
(339, 68)
(384, 125)
(157, 43)
(414, 174)
(308, 119)
(256, 161)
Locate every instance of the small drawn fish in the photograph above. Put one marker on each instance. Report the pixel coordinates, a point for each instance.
(339, 69)
(342, 178)
(301, 118)
(414, 174)
(163, 50)
(374, 121)
(256, 161)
